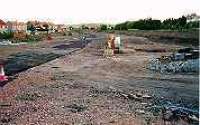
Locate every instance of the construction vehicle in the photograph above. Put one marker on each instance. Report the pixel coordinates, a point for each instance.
(114, 43)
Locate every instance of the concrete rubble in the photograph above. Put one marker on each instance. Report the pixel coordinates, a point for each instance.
(177, 62)
(172, 111)
(8, 42)
(178, 66)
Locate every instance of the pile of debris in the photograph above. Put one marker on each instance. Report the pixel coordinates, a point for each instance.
(175, 112)
(8, 42)
(185, 60)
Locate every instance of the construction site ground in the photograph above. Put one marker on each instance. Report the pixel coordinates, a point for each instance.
(86, 87)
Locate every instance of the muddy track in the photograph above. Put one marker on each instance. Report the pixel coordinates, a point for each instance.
(24, 60)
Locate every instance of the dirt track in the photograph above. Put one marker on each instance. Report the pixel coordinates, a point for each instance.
(87, 88)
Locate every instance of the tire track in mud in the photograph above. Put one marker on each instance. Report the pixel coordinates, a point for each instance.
(25, 60)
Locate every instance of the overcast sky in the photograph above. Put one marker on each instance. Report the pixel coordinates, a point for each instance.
(95, 11)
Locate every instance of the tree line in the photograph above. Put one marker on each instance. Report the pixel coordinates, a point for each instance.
(185, 22)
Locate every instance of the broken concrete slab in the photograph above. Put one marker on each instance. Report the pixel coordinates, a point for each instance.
(174, 66)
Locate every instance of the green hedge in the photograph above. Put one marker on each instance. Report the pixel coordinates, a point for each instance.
(6, 35)
(179, 24)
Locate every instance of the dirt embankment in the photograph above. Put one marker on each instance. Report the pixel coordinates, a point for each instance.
(187, 38)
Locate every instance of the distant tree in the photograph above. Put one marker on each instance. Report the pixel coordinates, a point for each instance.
(184, 22)
(167, 23)
(192, 16)
(140, 24)
(6, 35)
(84, 27)
(30, 26)
(117, 26)
(192, 24)
(103, 27)
(121, 26)
(46, 27)
(71, 28)
(193, 21)
(181, 22)
(178, 24)
(146, 24)
(110, 27)
(130, 25)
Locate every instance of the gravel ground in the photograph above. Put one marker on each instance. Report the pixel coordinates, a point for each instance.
(85, 88)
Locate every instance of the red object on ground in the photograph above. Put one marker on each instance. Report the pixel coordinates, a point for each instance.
(3, 78)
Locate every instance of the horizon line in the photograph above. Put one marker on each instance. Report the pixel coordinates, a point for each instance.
(88, 22)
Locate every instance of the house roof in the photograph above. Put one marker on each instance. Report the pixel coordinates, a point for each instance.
(2, 22)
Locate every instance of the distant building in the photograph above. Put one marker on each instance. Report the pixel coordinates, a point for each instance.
(3, 25)
(90, 26)
(16, 26)
(41, 26)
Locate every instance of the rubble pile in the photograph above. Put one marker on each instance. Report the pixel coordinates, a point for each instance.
(8, 42)
(175, 66)
(175, 111)
(177, 62)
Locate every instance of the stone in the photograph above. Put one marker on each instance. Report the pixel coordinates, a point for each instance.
(140, 111)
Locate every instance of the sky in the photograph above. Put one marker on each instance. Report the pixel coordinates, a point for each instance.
(95, 11)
